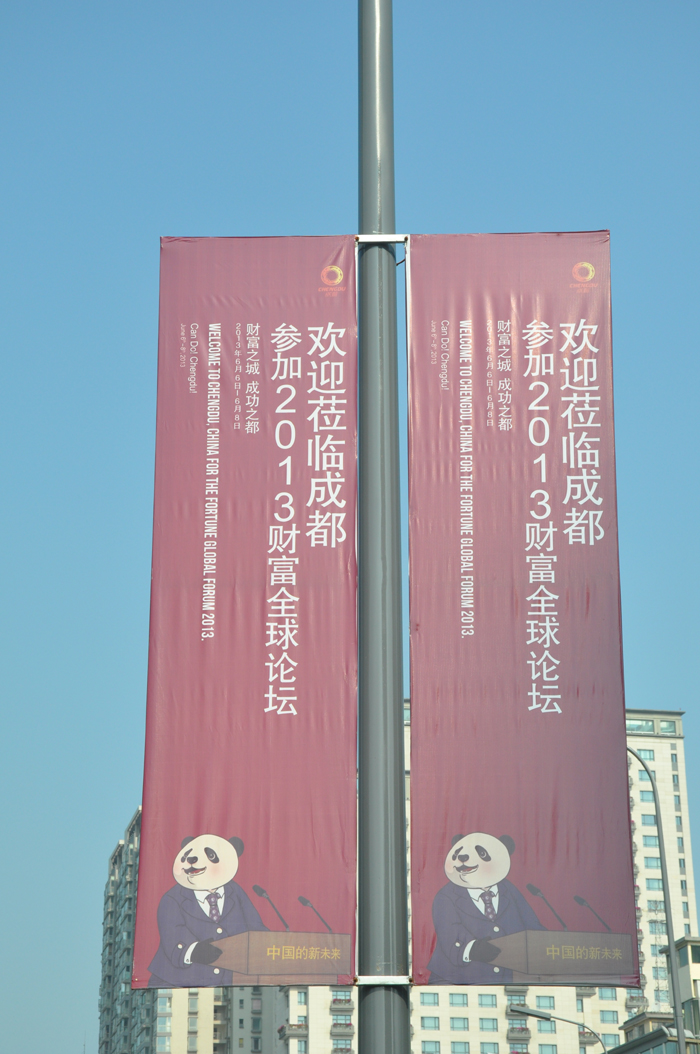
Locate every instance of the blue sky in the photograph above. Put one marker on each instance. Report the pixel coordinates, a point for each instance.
(122, 123)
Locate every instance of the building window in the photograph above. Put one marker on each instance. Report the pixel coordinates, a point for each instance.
(458, 999)
(646, 795)
(674, 761)
(458, 1046)
(162, 1043)
(608, 1017)
(488, 1024)
(256, 1044)
(659, 973)
(430, 1023)
(345, 1019)
(302, 998)
(302, 1019)
(240, 1042)
(607, 993)
(430, 1046)
(610, 1039)
(255, 1024)
(545, 1002)
(164, 1002)
(241, 1004)
(636, 725)
(674, 777)
(679, 823)
(164, 1024)
(686, 912)
(459, 1024)
(654, 883)
(489, 1048)
(241, 1022)
(191, 1024)
(651, 841)
(684, 886)
(652, 862)
(655, 905)
(547, 1048)
(191, 1043)
(429, 999)
(686, 929)
(648, 819)
(677, 802)
(487, 1000)
(681, 863)
(341, 995)
(667, 728)
(516, 1000)
(406, 712)
(681, 848)
(546, 1026)
(646, 755)
(579, 1006)
(192, 1004)
(340, 1044)
(518, 1047)
(303, 1046)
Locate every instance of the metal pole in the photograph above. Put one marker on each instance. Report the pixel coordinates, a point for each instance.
(382, 896)
(672, 955)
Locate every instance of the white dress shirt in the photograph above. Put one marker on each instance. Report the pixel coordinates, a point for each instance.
(475, 894)
(201, 895)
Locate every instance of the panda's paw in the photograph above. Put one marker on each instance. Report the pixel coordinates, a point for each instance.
(205, 953)
(481, 951)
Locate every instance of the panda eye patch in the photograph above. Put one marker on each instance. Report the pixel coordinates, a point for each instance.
(482, 852)
(212, 855)
(184, 856)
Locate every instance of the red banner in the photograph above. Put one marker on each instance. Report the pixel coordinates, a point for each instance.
(249, 808)
(521, 850)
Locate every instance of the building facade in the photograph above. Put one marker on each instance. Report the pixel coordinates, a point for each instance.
(445, 1020)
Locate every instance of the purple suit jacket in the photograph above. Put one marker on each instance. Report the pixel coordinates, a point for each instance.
(181, 922)
(458, 921)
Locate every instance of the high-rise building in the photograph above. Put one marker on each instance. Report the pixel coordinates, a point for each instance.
(164, 1020)
(445, 1020)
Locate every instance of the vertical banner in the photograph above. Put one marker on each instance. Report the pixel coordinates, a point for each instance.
(247, 860)
(521, 851)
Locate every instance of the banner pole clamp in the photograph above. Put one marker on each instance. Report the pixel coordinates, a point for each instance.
(383, 979)
(381, 239)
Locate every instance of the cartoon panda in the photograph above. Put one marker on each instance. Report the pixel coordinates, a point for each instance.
(477, 903)
(205, 905)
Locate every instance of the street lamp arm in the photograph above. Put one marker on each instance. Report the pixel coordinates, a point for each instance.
(546, 1016)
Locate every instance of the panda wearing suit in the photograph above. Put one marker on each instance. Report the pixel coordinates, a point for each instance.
(204, 906)
(477, 904)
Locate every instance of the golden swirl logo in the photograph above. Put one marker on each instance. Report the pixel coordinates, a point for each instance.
(332, 275)
(583, 272)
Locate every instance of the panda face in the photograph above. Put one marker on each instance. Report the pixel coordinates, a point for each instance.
(205, 862)
(477, 861)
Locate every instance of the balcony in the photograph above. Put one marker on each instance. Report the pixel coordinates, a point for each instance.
(586, 1037)
(637, 1002)
(513, 1010)
(342, 1004)
(518, 1034)
(584, 991)
(516, 989)
(293, 1032)
(343, 1050)
(342, 1030)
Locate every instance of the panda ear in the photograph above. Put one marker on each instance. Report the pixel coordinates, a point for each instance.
(508, 843)
(457, 838)
(237, 844)
(186, 841)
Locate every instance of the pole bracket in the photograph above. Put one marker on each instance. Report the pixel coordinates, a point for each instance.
(379, 979)
(381, 239)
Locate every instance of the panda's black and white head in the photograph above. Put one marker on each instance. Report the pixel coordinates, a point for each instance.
(478, 860)
(207, 862)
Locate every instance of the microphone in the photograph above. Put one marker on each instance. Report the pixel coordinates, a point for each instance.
(262, 893)
(538, 893)
(585, 904)
(307, 904)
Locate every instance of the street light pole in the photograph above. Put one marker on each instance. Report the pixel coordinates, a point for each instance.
(382, 886)
(546, 1016)
(672, 956)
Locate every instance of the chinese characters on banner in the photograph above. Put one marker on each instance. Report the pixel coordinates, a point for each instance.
(250, 773)
(518, 764)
